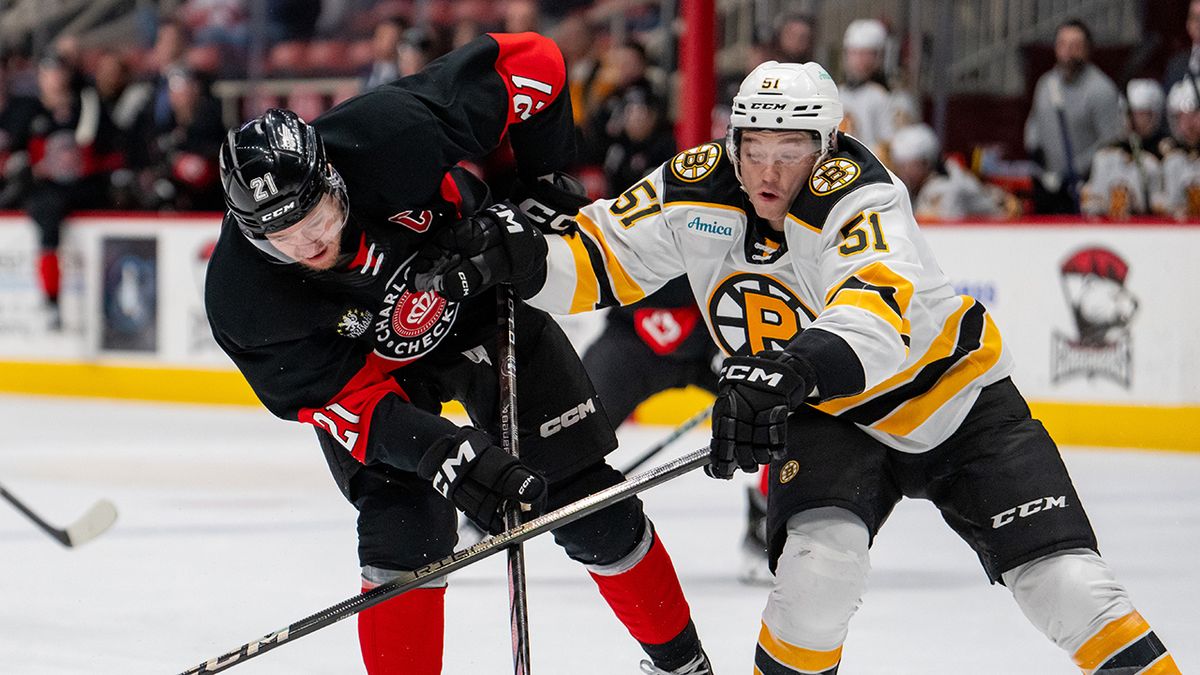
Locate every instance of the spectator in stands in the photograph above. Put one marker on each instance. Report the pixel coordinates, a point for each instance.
(939, 188)
(866, 98)
(16, 114)
(643, 142)
(463, 31)
(626, 67)
(175, 165)
(1076, 111)
(1180, 196)
(1127, 173)
(217, 22)
(71, 153)
(170, 43)
(385, 43)
(793, 39)
(418, 47)
(20, 71)
(121, 97)
(576, 39)
(1188, 60)
(520, 16)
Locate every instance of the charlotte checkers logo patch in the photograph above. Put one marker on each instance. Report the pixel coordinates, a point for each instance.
(692, 165)
(834, 175)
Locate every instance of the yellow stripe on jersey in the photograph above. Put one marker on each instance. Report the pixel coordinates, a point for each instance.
(628, 291)
(806, 224)
(913, 413)
(707, 205)
(1165, 665)
(797, 658)
(943, 345)
(872, 302)
(868, 289)
(1110, 639)
(587, 289)
(881, 276)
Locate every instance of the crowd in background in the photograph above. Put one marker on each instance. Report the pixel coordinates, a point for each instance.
(137, 128)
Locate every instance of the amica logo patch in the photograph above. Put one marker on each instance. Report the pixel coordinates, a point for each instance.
(711, 229)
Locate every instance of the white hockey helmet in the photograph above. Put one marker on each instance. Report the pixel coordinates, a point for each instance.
(1144, 94)
(785, 97)
(913, 142)
(1182, 97)
(865, 34)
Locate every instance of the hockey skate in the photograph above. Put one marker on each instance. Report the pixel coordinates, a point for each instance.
(697, 666)
(754, 570)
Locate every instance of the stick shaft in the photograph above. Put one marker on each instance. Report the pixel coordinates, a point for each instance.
(60, 535)
(458, 560)
(518, 595)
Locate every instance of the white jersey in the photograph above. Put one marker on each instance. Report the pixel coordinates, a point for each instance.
(851, 285)
(1120, 186)
(956, 194)
(1180, 194)
(870, 108)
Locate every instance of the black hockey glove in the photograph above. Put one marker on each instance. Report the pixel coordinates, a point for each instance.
(493, 246)
(482, 480)
(755, 395)
(551, 201)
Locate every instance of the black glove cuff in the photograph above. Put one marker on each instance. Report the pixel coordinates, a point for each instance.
(804, 370)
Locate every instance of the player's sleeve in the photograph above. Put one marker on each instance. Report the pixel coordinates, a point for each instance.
(343, 390)
(498, 84)
(623, 249)
(868, 268)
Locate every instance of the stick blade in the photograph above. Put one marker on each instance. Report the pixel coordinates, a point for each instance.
(91, 524)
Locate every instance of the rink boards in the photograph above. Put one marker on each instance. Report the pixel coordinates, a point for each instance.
(1100, 317)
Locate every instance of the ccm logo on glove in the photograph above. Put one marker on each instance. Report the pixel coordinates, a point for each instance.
(752, 374)
(481, 479)
(513, 225)
(448, 472)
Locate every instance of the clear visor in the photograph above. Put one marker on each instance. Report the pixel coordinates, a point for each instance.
(766, 148)
(320, 227)
(323, 223)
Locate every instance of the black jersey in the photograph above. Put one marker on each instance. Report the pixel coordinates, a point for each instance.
(343, 349)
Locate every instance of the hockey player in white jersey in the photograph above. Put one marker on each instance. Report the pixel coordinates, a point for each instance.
(854, 370)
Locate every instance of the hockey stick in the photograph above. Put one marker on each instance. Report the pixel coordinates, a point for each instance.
(458, 560)
(90, 525)
(518, 596)
(688, 424)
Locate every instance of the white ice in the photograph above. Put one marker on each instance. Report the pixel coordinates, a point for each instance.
(230, 527)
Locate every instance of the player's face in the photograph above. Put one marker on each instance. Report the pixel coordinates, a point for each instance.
(1070, 48)
(774, 167)
(314, 241)
(1144, 122)
(913, 173)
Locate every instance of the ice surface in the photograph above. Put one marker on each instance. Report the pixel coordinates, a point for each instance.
(230, 527)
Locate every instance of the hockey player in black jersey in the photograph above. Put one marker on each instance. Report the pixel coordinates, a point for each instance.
(307, 293)
(854, 370)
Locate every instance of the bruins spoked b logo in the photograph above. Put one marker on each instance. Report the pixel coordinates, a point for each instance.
(692, 165)
(753, 312)
(833, 175)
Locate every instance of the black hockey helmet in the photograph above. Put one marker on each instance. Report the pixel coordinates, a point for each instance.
(273, 171)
